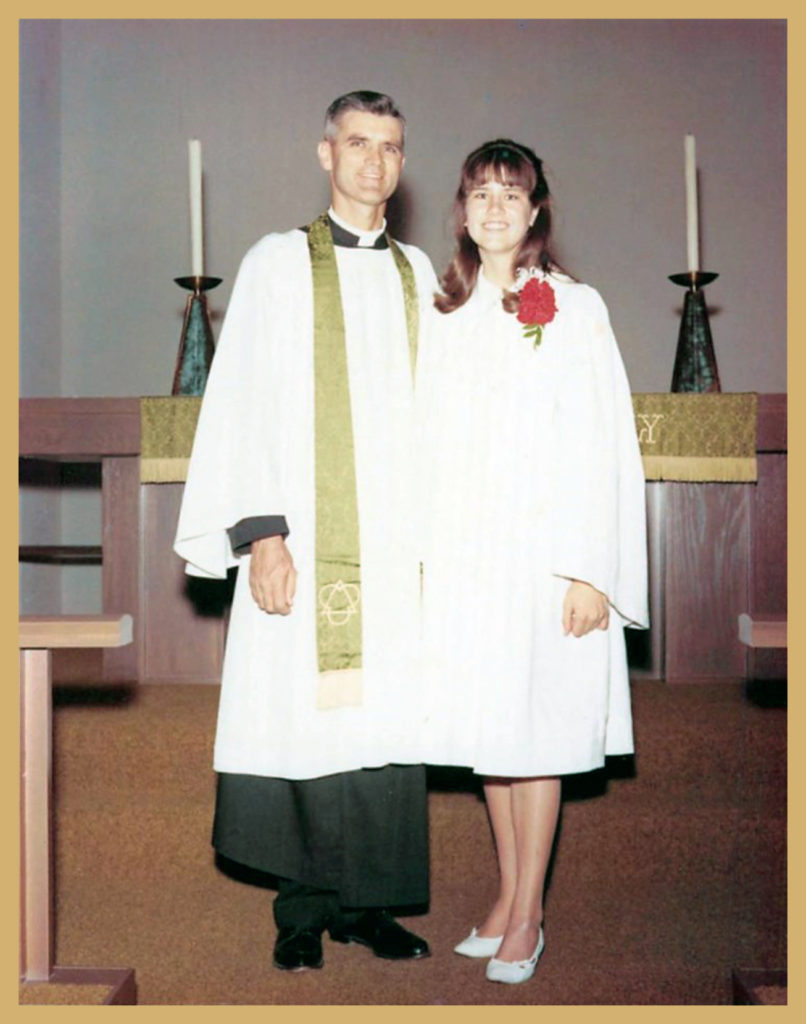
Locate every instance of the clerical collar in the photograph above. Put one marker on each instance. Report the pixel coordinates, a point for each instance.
(346, 235)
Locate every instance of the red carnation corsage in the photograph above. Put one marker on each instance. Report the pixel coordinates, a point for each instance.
(537, 306)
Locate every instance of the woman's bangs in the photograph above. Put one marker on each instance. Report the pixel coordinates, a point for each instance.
(506, 167)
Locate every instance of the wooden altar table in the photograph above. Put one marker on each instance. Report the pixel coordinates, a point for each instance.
(716, 549)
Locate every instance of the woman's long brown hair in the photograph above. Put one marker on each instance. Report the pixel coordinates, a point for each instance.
(509, 163)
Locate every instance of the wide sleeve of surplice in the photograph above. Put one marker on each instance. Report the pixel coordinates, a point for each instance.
(598, 525)
(235, 469)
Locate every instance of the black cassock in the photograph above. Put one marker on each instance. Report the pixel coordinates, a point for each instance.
(362, 833)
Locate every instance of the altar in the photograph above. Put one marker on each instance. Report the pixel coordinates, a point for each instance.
(716, 516)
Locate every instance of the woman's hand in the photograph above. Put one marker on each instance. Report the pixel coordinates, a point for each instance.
(584, 608)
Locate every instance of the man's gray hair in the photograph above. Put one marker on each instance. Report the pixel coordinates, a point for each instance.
(364, 100)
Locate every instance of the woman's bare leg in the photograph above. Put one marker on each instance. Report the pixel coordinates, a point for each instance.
(535, 805)
(499, 809)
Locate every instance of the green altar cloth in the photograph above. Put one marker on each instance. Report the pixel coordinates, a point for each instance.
(687, 437)
(697, 437)
(167, 427)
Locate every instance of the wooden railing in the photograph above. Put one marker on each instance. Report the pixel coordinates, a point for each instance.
(38, 637)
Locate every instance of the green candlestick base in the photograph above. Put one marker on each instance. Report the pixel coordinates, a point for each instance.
(695, 362)
(196, 347)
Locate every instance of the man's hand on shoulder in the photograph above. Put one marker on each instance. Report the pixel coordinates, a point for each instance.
(584, 609)
(272, 576)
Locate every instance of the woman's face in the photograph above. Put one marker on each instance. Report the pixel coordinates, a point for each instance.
(498, 217)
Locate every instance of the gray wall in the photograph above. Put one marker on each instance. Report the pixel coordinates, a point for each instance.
(108, 107)
(40, 290)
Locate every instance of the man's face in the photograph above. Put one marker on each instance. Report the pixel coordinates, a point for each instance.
(364, 160)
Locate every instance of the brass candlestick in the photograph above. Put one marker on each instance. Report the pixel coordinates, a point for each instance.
(196, 343)
(695, 361)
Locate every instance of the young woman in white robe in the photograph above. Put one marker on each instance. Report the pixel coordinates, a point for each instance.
(534, 532)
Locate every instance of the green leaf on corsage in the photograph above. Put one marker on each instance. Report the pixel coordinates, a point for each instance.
(534, 331)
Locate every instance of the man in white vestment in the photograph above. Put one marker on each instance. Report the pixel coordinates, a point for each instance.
(302, 475)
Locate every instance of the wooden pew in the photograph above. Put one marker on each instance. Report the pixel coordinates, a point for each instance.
(38, 637)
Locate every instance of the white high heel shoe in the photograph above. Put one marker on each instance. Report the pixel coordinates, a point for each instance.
(512, 972)
(476, 945)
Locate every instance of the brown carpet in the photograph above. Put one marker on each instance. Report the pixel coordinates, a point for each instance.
(669, 871)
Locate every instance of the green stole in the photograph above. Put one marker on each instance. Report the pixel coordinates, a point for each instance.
(338, 562)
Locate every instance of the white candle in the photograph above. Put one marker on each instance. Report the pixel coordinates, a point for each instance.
(194, 157)
(692, 227)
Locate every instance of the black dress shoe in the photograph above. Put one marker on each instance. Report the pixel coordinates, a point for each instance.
(384, 936)
(297, 949)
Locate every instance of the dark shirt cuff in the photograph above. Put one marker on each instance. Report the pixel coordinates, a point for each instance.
(244, 532)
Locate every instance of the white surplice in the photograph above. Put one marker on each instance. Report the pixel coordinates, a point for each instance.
(531, 477)
(253, 455)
